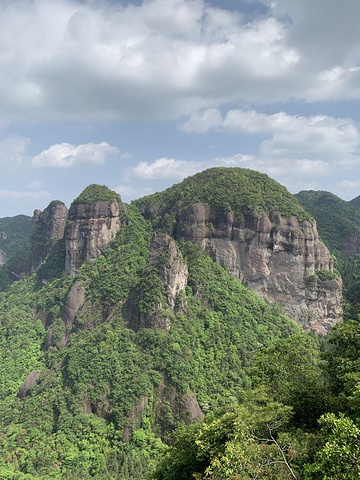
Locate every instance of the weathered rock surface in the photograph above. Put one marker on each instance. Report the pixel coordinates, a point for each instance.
(90, 229)
(29, 382)
(167, 260)
(2, 257)
(169, 403)
(277, 257)
(49, 227)
(74, 303)
(173, 271)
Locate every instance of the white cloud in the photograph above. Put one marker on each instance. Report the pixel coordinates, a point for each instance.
(349, 184)
(14, 194)
(65, 155)
(94, 61)
(319, 137)
(165, 168)
(129, 192)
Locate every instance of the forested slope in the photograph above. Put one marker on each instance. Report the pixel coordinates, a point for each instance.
(150, 334)
(339, 226)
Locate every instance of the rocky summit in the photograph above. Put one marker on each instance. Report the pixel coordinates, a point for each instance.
(255, 229)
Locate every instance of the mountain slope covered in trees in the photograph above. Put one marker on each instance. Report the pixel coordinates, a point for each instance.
(339, 226)
(102, 369)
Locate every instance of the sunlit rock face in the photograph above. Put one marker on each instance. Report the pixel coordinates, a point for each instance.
(166, 259)
(49, 227)
(89, 230)
(279, 258)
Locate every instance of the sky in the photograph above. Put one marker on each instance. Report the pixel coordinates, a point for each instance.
(139, 94)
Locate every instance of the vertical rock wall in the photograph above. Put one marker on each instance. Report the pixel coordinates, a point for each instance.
(279, 258)
(90, 229)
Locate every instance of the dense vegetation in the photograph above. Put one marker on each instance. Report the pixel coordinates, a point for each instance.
(96, 193)
(338, 224)
(79, 416)
(15, 235)
(235, 189)
(356, 202)
(17, 230)
(98, 395)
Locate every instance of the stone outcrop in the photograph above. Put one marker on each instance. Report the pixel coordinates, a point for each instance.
(49, 227)
(173, 271)
(29, 382)
(90, 229)
(167, 261)
(281, 259)
(2, 257)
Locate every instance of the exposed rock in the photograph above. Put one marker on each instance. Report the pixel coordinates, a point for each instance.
(74, 302)
(29, 382)
(171, 407)
(277, 257)
(166, 259)
(2, 257)
(90, 229)
(133, 421)
(49, 227)
(173, 271)
(3, 236)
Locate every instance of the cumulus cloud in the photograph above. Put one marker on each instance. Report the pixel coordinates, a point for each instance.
(65, 155)
(164, 168)
(319, 137)
(71, 60)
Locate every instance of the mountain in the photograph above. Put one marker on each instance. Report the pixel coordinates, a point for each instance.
(339, 226)
(355, 202)
(338, 221)
(258, 231)
(135, 318)
(14, 233)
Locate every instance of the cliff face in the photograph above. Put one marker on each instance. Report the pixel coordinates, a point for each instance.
(49, 227)
(90, 229)
(281, 259)
(2, 257)
(167, 277)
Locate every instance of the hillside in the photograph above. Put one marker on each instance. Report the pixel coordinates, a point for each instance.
(99, 391)
(355, 202)
(15, 232)
(258, 231)
(339, 226)
(129, 327)
(15, 235)
(338, 221)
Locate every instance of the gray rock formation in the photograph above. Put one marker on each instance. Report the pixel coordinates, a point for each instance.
(279, 258)
(2, 257)
(29, 382)
(49, 227)
(90, 229)
(167, 263)
(173, 271)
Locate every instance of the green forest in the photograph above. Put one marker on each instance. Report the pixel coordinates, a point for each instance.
(234, 389)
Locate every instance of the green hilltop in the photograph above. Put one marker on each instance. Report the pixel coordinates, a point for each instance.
(96, 193)
(235, 189)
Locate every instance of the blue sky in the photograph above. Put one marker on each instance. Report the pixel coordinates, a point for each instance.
(139, 94)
